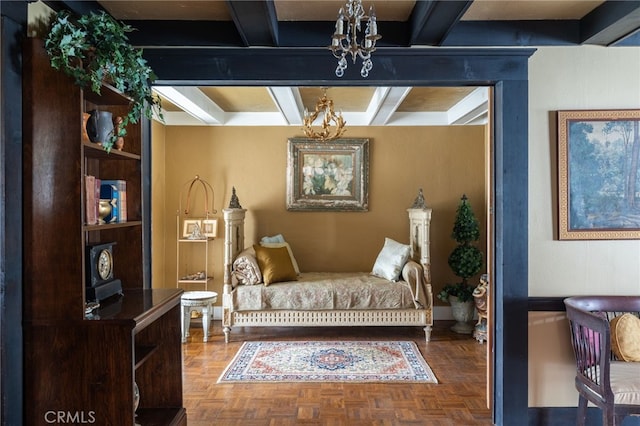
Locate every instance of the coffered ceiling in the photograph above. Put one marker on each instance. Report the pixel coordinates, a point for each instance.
(309, 23)
(360, 106)
(422, 24)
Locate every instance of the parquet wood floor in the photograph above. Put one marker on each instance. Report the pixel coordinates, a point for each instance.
(458, 362)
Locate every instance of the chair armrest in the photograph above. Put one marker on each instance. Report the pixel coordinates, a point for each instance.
(591, 342)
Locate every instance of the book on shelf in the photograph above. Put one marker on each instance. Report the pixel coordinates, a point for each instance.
(97, 198)
(111, 190)
(90, 201)
(121, 194)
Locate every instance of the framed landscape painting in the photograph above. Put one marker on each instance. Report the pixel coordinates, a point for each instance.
(599, 174)
(328, 176)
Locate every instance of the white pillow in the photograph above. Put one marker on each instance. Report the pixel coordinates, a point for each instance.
(283, 244)
(391, 260)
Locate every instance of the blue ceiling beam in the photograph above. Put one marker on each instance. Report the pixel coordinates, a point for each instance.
(431, 21)
(630, 40)
(610, 22)
(514, 33)
(225, 66)
(256, 21)
(184, 33)
(76, 7)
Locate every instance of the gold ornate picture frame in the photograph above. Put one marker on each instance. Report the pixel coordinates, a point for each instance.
(599, 174)
(328, 176)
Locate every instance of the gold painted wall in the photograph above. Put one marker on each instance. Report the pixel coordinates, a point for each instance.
(445, 161)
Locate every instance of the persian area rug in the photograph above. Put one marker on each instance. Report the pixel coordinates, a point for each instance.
(319, 361)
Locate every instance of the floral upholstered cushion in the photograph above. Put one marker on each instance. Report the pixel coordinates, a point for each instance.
(625, 337)
(315, 291)
(245, 268)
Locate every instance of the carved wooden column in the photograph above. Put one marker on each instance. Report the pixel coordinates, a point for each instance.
(233, 239)
(419, 223)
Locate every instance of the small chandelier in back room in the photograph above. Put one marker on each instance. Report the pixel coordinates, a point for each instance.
(324, 108)
(345, 39)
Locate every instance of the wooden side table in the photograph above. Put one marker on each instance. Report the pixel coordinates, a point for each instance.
(201, 301)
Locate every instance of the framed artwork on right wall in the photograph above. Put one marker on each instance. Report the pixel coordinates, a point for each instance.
(599, 174)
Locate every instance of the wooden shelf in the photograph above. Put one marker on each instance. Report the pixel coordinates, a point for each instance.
(143, 305)
(143, 353)
(195, 281)
(105, 226)
(93, 150)
(108, 95)
(203, 240)
(130, 337)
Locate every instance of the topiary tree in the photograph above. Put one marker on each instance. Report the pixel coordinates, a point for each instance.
(466, 259)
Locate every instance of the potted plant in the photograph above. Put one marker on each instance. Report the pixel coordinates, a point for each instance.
(94, 49)
(465, 261)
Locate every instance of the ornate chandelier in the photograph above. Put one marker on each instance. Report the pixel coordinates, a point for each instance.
(324, 106)
(346, 41)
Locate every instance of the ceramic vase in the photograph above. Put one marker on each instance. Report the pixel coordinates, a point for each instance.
(463, 313)
(99, 126)
(104, 210)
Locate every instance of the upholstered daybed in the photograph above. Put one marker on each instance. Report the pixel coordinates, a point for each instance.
(324, 298)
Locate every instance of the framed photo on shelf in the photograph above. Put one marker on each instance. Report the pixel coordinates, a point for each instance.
(599, 174)
(189, 225)
(328, 175)
(210, 228)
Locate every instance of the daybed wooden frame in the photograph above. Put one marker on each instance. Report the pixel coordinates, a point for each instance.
(419, 221)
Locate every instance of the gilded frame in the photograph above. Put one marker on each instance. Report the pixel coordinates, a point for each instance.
(328, 176)
(599, 175)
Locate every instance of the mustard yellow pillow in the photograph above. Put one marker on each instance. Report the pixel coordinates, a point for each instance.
(275, 264)
(625, 337)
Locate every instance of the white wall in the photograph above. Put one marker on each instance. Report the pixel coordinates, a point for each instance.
(570, 78)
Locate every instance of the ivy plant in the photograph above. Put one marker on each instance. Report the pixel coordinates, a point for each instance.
(94, 49)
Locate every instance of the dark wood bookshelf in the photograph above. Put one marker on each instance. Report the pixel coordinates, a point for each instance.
(76, 362)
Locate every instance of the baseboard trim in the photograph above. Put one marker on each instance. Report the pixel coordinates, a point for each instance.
(564, 416)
